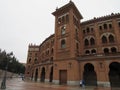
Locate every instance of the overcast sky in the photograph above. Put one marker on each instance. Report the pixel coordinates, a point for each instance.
(30, 21)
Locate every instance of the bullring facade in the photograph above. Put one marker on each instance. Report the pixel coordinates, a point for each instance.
(88, 50)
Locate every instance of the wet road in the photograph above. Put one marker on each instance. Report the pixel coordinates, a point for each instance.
(18, 84)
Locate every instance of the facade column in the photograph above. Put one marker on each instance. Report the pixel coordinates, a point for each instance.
(102, 74)
(56, 73)
(47, 73)
(38, 74)
(73, 78)
(33, 75)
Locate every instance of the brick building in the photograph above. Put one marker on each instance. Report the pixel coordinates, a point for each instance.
(88, 50)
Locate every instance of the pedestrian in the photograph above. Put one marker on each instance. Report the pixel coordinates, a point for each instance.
(22, 77)
(80, 83)
(83, 83)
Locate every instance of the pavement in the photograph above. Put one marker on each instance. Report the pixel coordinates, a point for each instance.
(19, 84)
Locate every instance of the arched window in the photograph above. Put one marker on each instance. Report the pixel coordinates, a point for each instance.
(63, 19)
(48, 52)
(51, 59)
(35, 61)
(88, 30)
(83, 31)
(92, 30)
(119, 24)
(77, 46)
(113, 50)
(105, 26)
(104, 39)
(100, 27)
(52, 51)
(29, 60)
(59, 20)
(106, 50)
(110, 26)
(111, 39)
(63, 44)
(76, 31)
(93, 51)
(86, 42)
(63, 30)
(92, 41)
(67, 18)
(87, 52)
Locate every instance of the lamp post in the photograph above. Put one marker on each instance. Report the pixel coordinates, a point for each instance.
(3, 83)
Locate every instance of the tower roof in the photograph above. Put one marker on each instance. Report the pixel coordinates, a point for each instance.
(68, 6)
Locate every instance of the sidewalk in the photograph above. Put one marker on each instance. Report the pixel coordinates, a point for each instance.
(19, 84)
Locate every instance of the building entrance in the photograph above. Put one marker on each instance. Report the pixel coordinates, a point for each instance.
(32, 77)
(36, 74)
(89, 75)
(114, 74)
(63, 76)
(43, 75)
(51, 74)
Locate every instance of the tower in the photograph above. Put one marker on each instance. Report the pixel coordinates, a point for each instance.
(67, 42)
(32, 60)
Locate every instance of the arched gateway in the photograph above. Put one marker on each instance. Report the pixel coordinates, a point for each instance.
(43, 75)
(114, 74)
(89, 75)
(51, 75)
(36, 74)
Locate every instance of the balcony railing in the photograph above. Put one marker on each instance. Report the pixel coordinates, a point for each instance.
(98, 56)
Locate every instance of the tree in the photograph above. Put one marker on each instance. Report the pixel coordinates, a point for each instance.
(9, 60)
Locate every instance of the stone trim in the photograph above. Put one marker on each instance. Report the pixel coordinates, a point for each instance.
(56, 81)
(46, 80)
(105, 84)
(73, 82)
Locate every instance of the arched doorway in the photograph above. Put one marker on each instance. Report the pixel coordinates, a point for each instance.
(89, 75)
(51, 75)
(32, 76)
(43, 75)
(114, 74)
(36, 74)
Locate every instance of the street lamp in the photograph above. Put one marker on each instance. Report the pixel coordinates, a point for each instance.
(3, 83)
